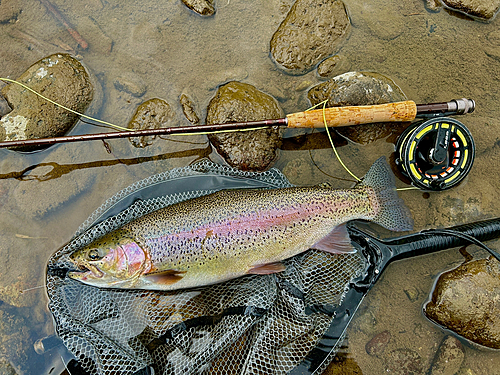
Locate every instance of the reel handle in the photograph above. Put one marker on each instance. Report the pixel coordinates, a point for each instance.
(354, 115)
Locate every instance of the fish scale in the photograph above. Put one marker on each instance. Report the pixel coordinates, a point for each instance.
(231, 233)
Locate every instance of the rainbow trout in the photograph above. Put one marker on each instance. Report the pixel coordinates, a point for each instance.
(232, 233)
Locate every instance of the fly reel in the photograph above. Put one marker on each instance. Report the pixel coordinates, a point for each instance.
(435, 154)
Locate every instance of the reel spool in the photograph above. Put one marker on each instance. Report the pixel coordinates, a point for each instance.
(435, 154)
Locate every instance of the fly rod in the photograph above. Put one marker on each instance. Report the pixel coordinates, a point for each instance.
(404, 111)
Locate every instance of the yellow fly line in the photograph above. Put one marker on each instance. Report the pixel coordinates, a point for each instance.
(108, 123)
(323, 103)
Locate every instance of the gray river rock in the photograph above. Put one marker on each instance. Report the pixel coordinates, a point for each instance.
(152, 114)
(356, 88)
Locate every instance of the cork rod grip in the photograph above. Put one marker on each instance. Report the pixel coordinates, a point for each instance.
(354, 115)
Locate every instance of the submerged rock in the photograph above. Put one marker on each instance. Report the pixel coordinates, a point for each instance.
(311, 31)
(188, 109)
(152, 114)
(343, 365)
(378, 343)
(466, 300)
(4, 106)
(15, 343)
(248, 150)
(9, 10)
(59, 77)
(356, 88)
(328, 67)
(202, 7)
(449, 357)
(130, 83)
(483, 9)
(404, 362)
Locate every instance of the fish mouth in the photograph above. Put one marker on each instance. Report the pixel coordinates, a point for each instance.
(87, 271)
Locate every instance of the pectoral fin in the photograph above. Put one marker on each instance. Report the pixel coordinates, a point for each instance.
(167, 277)
(335, 242)
(267, 269)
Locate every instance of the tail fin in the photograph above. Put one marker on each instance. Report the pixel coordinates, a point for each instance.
(393, 213)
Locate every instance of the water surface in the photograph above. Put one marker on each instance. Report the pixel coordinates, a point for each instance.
(45, 196)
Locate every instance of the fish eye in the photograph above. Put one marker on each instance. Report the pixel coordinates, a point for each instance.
(94, 254)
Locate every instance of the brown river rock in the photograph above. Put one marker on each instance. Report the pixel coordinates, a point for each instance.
(202, 7)
(249, 150)
(152, 114)
(466, 300)
(482, 9)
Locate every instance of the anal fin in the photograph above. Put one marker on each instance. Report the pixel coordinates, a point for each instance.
(267, 269)
(335, 242)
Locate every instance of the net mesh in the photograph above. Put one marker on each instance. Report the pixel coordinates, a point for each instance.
(257, 324)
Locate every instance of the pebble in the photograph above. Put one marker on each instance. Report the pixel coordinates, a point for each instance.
(4, 106)
(202, 7)
(188, 109)
(404, 362)
(304, 85)
(433, 5)
(6, 368)
(130, 83)
(152, 114)
(412, 293)
(342, 365)
(449, 357)
(328, 67)
(483, 9)
(9, 10)
(378, 343)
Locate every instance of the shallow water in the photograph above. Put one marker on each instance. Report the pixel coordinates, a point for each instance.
(45, 196)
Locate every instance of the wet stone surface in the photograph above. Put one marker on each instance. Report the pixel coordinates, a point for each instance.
(404, 362)
(378, 343)
(202, 7)
(59, 77)
(466, 299)
(14, 342)
(356, 88)
(311, 31)
(9, 10)
(188, 109)
(130, 83)
(449, 357)
(250, 150)
(152, 114)
(328, 67)
(4, 106)
(483, 9)
(343, 365)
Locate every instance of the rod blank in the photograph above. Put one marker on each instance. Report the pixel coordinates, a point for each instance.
(335, 116)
